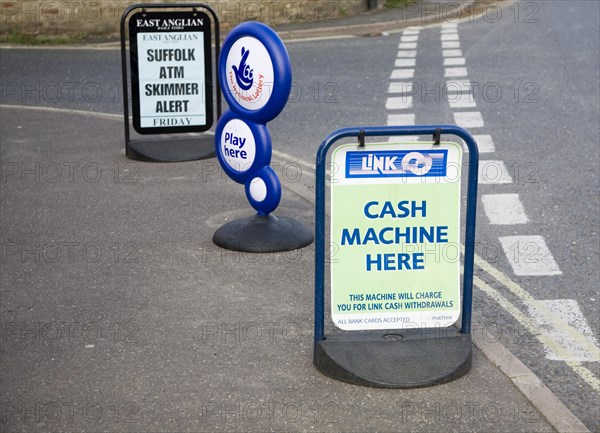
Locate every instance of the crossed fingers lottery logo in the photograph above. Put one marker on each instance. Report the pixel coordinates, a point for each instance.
(255, 74)
(250, 73)
(244, 75)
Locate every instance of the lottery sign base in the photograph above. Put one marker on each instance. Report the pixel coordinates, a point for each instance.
(171, 150)
(263, 234)
(402, 358)
(395, 359)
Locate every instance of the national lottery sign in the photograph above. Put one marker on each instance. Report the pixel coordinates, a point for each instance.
(171, 72)
(395, 235)
(256, 77)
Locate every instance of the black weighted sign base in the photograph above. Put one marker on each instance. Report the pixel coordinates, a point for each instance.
(263, 234)
(395, 359)
(171, 149)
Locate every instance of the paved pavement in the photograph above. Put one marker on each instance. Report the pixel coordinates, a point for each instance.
(119, 314)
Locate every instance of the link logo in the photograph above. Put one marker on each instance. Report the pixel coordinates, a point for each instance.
(396, 163)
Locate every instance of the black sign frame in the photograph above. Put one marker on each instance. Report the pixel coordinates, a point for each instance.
(205, 92)
(170, 146)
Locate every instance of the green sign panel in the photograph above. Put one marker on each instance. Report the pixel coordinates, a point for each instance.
(395, 235)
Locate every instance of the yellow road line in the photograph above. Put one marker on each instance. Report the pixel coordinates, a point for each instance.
(530, 301)
(529, 324)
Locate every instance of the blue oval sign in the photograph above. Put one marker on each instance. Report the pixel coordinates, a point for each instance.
(242, 147)
(255, 72)
(263, 190)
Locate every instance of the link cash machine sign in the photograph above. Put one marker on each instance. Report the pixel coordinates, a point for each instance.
(172, 75)
(395, 241)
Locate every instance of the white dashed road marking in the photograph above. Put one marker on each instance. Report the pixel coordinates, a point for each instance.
(558, 324)
(403, 63)
(400, 87)
(407, 46)
(529, 255)
(569, 314)
(409, 38)
(485, 143)
(399, 103)
(454, 61)
(504, 209)
(402, 74)
(450, 37)
(493, 172)
(450, 44)
(461, 100)
(452, 53)
(529, 323)
(401, 119)
(458, 86)
(455, 72)
(407, 53)
(469, 119)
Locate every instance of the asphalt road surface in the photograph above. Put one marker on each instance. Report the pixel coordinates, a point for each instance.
(533, 69)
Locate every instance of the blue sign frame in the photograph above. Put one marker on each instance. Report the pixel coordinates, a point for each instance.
(319, 324)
